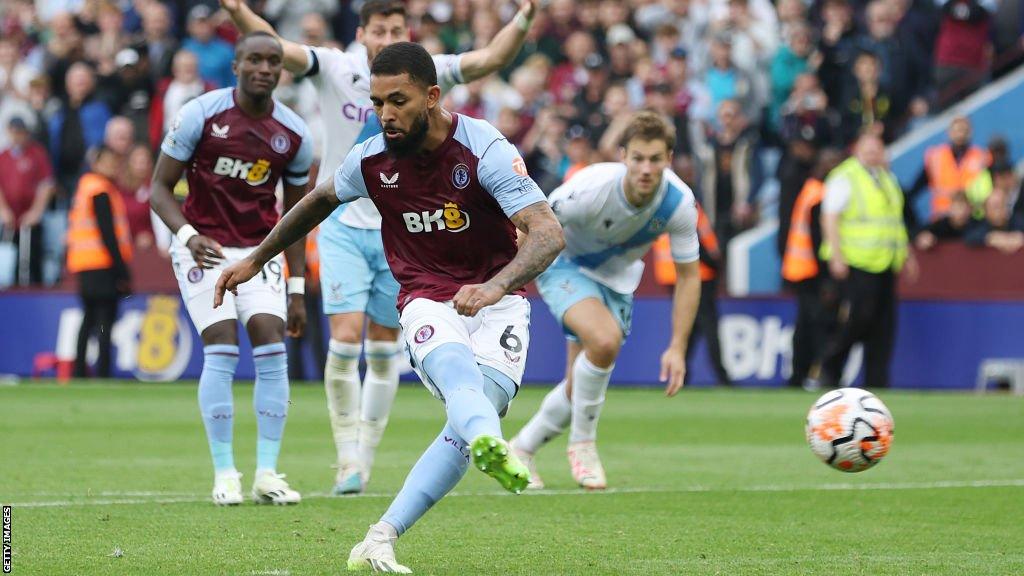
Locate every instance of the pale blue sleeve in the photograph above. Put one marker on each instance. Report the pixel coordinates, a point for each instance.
(183, 137)
(348, 179)
(297, 171)
(503, 174)
(682, 231)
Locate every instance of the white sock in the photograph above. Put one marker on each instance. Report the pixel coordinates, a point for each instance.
(588, 386)
(550, 420)
(341, 381)
(379, 389)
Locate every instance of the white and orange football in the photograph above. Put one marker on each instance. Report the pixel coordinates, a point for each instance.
(849, 429)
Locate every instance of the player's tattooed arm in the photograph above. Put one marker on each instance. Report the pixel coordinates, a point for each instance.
(293, 226)
(540, 243)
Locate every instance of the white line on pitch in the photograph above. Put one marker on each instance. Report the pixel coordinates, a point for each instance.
(179, 497)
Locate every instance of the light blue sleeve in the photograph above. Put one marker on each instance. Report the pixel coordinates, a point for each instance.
(503, 174)
(348, 179)
(297, 171)
(183, 137)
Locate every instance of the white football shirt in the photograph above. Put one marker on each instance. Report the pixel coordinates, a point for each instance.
(342, 81)
(598, 221)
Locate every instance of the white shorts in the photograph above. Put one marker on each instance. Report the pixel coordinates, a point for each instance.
(499, 335)
(264, 294)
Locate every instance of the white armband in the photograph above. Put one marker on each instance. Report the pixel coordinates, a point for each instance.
(185, 233)
(296, 285)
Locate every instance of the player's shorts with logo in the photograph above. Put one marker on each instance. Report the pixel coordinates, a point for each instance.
(264, 294)
(354, 274)
(499, 335)
(563, 285)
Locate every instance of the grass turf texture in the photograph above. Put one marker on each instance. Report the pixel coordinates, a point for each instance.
(711, 482)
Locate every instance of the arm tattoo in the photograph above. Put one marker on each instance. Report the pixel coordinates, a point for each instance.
(297, 222)
(542, 242)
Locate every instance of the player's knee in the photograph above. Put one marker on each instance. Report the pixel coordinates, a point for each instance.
(381, 333)
(223, 332)
(265, 329)
(348, 328)
(602, 349)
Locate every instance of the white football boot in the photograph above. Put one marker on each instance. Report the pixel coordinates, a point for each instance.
(377, 552)
(586, 466)
(227, 488)
(536, 483)
(348, 480)
(269, 487)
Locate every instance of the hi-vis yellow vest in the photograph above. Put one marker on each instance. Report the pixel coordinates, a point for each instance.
(871, 231)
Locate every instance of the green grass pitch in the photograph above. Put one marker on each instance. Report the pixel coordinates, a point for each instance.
(710, 482)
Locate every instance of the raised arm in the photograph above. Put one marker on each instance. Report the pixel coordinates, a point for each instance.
(540, 243)
(295, 59)
(311, 210)
(503, 47)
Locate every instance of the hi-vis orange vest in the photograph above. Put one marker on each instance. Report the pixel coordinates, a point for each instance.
(946, 177)
(313, 256)
(85, 244)
(665, 266)
(799, 262)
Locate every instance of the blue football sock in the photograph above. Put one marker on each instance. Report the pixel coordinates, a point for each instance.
(270, 399)
(215, 402)
(453, 369)
(437, 471)
(445, 462)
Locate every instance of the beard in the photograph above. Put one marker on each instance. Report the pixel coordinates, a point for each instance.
(409, 143)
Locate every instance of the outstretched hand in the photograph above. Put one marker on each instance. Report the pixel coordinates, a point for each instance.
(231, 5)
(673, 370)
(238, 273)
(527, 7)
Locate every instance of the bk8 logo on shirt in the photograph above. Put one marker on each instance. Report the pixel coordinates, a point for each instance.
(254, 173)
(449, 218)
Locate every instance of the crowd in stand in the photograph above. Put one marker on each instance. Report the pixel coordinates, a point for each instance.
(756, 89)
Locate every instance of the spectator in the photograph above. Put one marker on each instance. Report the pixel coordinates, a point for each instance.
(619, 40)
(791, 60)
(537, 43)
(161, 44)
(725, 81)
(135, 193)
(953, 225)
(996, 230)
(102, 47)
(579, 150)
(726, 156)
(26, 188)
(15, 73)
(76, 126)
(289, 15)
(214, 55)
(690, 18)
(457, 34)
(866, 104)
(963, 49)
(63, 49)
(589, 101)
(567, 78)
(99, 250)
(172, 93)
(12, 107)
(754, 42)
(543, 149)
(315, 31)
(119, 135)
(862, 201)
(128, 90)
(903, 70)
(953, 167)
(836, 45)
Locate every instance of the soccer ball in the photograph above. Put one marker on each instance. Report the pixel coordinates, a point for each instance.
(849, 429)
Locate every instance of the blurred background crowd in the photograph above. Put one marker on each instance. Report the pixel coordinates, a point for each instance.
(757, 91)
